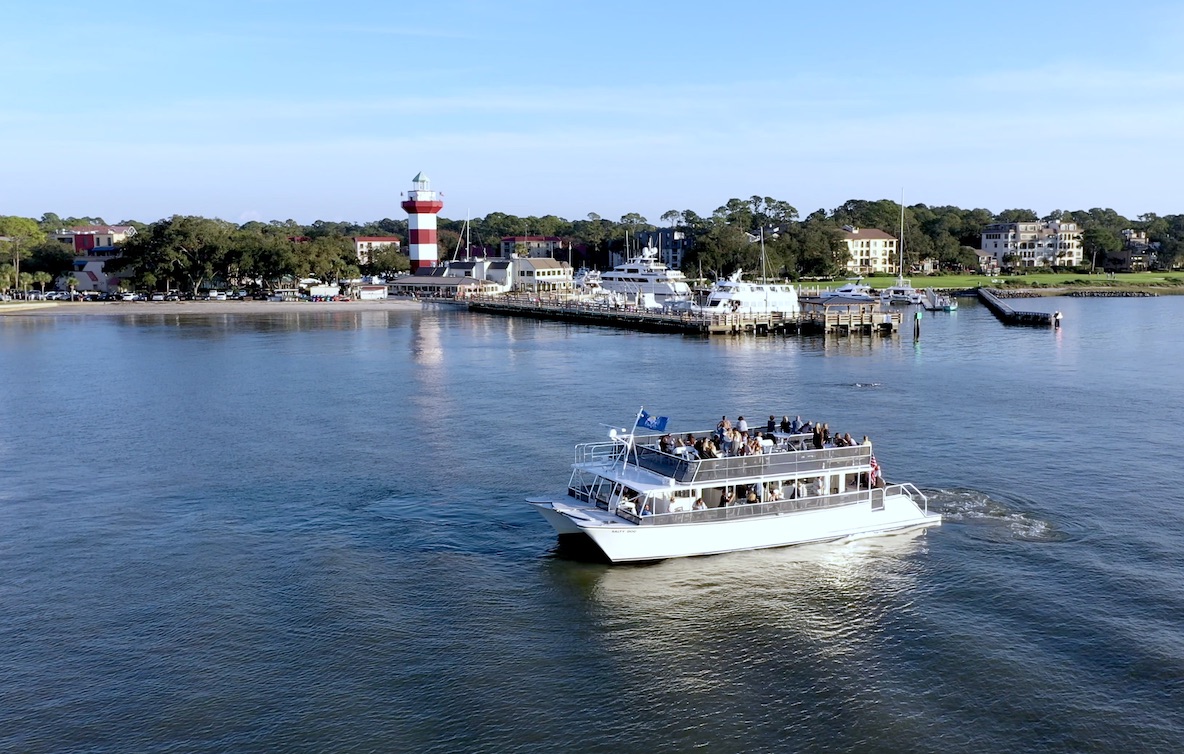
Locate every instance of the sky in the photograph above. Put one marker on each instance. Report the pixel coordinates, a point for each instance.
(286, 109)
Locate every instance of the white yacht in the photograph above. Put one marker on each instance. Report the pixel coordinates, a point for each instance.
(854, 290)
(644, 274)
(901, 292)
(735, 295)
(638, 502)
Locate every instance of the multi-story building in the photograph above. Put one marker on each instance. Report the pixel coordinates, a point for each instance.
(84, 238)
(365, 246)
(1034, 244)
(873, 252)
(672, 245)
(94, 248)
(536, 247)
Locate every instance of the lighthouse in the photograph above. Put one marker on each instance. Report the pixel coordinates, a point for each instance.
(421, 206)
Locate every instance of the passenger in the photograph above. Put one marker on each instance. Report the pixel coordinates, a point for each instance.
(795, 426)
(737, 441)
(848, 440)
(666, 444)
(820, 486)
(646, 510)
(742, 426)
(786, 425)
(817, 439)
(751, 498)
(771, 426)
(699, 505)
(867, 440)
(825, 432)
(728, 499)
(776, 494)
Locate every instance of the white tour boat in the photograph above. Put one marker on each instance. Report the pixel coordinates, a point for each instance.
(644, 275)
(637, 502)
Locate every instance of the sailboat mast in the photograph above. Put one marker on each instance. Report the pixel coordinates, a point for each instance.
(900, 264)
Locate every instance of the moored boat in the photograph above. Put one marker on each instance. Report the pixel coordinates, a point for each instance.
(939, 302)
(637, 498)
(644, 275)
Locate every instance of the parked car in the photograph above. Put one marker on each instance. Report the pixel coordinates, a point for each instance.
(172, 296)
(157, 296)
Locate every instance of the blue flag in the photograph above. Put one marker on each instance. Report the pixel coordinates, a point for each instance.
(655, 423)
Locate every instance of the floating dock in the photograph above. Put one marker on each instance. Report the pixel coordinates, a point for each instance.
(842, 320)
(1009, 316)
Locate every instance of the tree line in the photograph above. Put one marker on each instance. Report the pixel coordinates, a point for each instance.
(190, 252)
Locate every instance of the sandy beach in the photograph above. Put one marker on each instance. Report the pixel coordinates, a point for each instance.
(116, 308)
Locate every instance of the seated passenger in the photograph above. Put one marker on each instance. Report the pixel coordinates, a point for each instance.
(776, 494)
(751, 498)
(699, 505)
(728, 499)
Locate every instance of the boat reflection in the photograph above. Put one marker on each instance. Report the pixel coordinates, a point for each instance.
(696, 625)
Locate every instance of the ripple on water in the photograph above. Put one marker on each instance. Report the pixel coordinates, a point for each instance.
(997, 520)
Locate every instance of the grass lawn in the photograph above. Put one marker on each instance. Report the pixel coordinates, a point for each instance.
(1162, 281)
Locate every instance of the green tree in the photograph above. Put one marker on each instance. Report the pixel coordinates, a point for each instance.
(1098, 244)
(185, 248)
(42, 279)
(21, 233)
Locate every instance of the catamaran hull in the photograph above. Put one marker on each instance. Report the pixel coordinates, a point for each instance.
(625, 542)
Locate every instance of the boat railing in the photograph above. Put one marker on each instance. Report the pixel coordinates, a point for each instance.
(747, 510)
(778, 462)
(911, 492)
(687, 470)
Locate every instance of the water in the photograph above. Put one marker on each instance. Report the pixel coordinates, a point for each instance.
(306, 533)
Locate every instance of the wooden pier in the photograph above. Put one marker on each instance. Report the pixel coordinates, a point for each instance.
(1009, 316)
(841, 320)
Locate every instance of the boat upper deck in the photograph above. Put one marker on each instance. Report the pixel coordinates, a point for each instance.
(789, 456)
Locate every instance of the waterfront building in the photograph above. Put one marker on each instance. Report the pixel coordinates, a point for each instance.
(422, 205)
(542, 275)
(1035, 243)
(365, 246)
(872, 251)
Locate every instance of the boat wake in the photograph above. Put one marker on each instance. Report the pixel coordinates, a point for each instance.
(867, 384)
(999, 521)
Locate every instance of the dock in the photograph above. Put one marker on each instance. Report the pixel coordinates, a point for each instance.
(1009, 316)
(840, 320)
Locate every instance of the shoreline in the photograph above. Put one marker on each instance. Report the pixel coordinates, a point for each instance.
(118, 308)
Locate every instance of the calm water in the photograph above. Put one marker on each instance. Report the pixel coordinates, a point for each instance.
(306, 533)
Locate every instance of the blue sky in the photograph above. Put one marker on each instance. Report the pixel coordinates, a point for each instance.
(261, 109)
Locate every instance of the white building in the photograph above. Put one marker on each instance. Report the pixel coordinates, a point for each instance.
(873, 252)
(1035, 243)
(542, 275)
(365, 246)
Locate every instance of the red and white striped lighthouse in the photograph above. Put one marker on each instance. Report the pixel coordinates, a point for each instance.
(421, 206)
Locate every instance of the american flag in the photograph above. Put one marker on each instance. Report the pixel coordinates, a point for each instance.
(875, 470)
